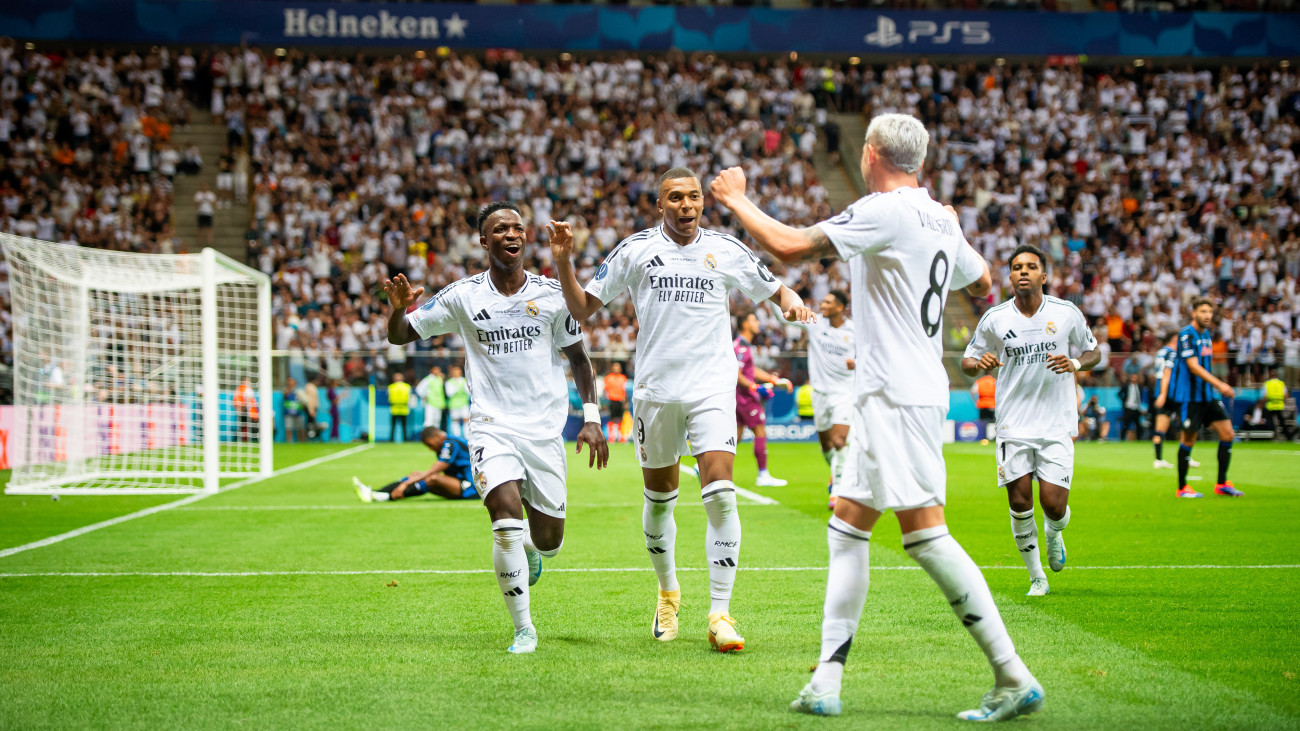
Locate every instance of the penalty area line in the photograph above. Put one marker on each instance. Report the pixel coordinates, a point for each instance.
(178, 503)
(594, 570)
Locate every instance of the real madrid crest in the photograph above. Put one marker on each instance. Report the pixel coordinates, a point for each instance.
(481, 480)
(531, 308)
(710, 262)
(1051, 328)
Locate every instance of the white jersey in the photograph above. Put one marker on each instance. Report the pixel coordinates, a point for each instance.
(683, 349)
(516, 379)
(904, 252)
(1033, 402)
(829, 350)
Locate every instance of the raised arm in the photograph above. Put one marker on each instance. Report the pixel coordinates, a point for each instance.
(400, 296)
(787, 243)
(584, 377)
(581, 304)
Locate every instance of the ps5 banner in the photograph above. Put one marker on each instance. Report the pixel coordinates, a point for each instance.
(605, 27)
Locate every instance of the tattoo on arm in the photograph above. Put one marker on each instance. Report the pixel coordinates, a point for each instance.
(819, 244)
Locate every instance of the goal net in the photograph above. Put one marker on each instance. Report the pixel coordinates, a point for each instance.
(135, 373)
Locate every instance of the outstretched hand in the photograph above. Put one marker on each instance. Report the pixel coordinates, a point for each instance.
(400, 294)
(799, 313)
(560, 235)
(729, 187)
(598, 449)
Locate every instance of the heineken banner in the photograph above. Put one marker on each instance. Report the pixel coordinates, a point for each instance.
(578, 27)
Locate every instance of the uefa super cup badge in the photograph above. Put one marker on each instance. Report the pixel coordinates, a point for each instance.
(1051, 328)
(711, 262)
(531, 308)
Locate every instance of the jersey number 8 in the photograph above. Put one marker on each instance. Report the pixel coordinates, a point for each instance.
(935, 291)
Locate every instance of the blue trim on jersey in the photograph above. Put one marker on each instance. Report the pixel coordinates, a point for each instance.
(1186, 387)
(1164, 359)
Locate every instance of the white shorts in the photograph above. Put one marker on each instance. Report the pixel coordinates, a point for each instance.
(830, 409)
(1051, 459)
(662, 428)
(432, 416)
(895, 457)
(539, 465)
(460, 414)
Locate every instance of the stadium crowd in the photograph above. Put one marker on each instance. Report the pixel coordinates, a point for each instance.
(1145, 187)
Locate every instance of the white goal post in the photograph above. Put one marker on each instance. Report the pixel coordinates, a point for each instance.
(135, 373)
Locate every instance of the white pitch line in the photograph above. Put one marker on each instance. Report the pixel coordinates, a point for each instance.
(177, 503)
(755, 497)
(611, 570)
(447, 505)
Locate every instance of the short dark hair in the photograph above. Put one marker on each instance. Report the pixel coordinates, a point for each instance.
(429, 432)
(676, 173)
(740, 319)
(1196, 303)
(493, 207)
(1029, 249)
(839, 295)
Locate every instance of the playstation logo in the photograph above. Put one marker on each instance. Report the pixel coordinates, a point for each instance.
(886, 34)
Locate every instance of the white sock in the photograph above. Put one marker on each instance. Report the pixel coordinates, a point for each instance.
(837, 464)
(1025, 531)
(762, 473)
(380, 497)
(511, 566)
(1056, 526)
(964, 587)
(661, 536)
(846, 592)
(721, 542)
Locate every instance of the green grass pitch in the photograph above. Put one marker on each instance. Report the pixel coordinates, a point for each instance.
(270, 606)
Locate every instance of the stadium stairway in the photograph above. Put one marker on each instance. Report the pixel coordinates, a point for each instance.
(229, 224)
(853, 132)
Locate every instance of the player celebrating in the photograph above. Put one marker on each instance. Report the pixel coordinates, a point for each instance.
(679, 275)
(449, 477)
(512, 323)
(1030, 337)
(904, 251)
(749, 407)
(1191, 382)
(830, 371)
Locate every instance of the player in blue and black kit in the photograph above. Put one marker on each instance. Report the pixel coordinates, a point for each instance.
(1167, 410)
(449, 477)
(1194, 389)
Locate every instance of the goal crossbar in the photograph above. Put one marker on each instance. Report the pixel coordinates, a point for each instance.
(135, 373)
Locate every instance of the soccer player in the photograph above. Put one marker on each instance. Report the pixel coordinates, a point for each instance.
(749, 407)
(1192, 382)
(616, 393)
(449, 477)
(905, 251)
(830, 372)
(1164, 407)
(679, 275)
(1030, 337)
(513, 323)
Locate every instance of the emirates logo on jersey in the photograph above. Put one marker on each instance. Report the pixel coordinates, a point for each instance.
(1051, 328)
(531, 308)
(711, 262)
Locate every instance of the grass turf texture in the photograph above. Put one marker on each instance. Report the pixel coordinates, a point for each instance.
(1139, 647)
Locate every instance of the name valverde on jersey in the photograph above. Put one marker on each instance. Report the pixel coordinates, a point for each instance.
(1033, 402)
(905, 252)
(515, 375)
(683, 347)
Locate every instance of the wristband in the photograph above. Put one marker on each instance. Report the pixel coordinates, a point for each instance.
(1075, 362)
(591, 413)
